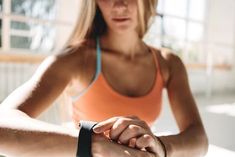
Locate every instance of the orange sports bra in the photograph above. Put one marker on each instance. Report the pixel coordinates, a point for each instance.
(99, 101)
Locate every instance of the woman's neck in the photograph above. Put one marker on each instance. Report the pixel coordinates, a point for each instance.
(128, 45)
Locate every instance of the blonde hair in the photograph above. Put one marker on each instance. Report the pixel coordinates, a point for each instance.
(91, 24)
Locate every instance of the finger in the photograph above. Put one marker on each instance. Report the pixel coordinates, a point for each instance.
(132, 143)
(106, 133)
(146, 141)
(105, 125)
(147, 154)
(133, 117)
(132, 131)
(121, 125)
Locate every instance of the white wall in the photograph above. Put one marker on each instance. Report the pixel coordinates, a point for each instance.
(220, 36)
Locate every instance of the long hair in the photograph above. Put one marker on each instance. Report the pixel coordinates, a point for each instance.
(90, 22)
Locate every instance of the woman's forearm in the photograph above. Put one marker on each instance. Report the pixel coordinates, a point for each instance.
(192, 142)
(21, 135)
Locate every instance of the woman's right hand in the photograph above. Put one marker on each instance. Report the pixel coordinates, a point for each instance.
(102, 146)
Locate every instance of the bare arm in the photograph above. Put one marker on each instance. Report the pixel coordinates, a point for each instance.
(20, 134)
(192, 140)
(38, 93)
(23, 136)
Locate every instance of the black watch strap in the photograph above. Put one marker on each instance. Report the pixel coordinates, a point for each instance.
(85, 138)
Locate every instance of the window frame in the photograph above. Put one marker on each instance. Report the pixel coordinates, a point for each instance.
(6, 16)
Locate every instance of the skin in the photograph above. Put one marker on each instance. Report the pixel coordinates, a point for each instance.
(78, 64)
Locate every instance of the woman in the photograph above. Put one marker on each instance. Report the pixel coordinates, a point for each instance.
(129, 82)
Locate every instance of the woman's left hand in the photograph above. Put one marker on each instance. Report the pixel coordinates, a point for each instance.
(131, 131)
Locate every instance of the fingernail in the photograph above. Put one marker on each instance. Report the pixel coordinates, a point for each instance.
(96, 129)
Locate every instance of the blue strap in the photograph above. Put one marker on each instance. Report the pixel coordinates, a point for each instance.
(98, 62)
(98, 69)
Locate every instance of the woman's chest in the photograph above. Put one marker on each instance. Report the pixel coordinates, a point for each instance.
(131, 78)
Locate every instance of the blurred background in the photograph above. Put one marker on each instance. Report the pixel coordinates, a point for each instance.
(201, 32)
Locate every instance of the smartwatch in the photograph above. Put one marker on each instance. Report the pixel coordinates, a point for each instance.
(85, 138)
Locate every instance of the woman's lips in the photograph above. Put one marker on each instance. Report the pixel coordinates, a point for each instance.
(121, 19)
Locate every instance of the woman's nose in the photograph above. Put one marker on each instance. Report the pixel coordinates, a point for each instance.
(120, 4)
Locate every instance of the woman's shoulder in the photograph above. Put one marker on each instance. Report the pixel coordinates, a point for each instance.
(71, 51)
(168, 61)
(166, 55)
(72, 58)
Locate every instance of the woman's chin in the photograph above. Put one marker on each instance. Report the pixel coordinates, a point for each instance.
(123, 30)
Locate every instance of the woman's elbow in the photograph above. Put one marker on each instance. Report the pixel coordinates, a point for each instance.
(8, 113)
(204, 144)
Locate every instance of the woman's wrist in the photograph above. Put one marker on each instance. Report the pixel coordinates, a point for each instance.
(164, 148)
(168, 144)
(96, 145)
(162, 151)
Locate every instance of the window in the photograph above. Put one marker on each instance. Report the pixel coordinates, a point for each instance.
(29, 25)
(0, 5)
(0, 24)
(32, 35)
(0, 32)
(182, 25)
(197, 9)
(34, 8)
